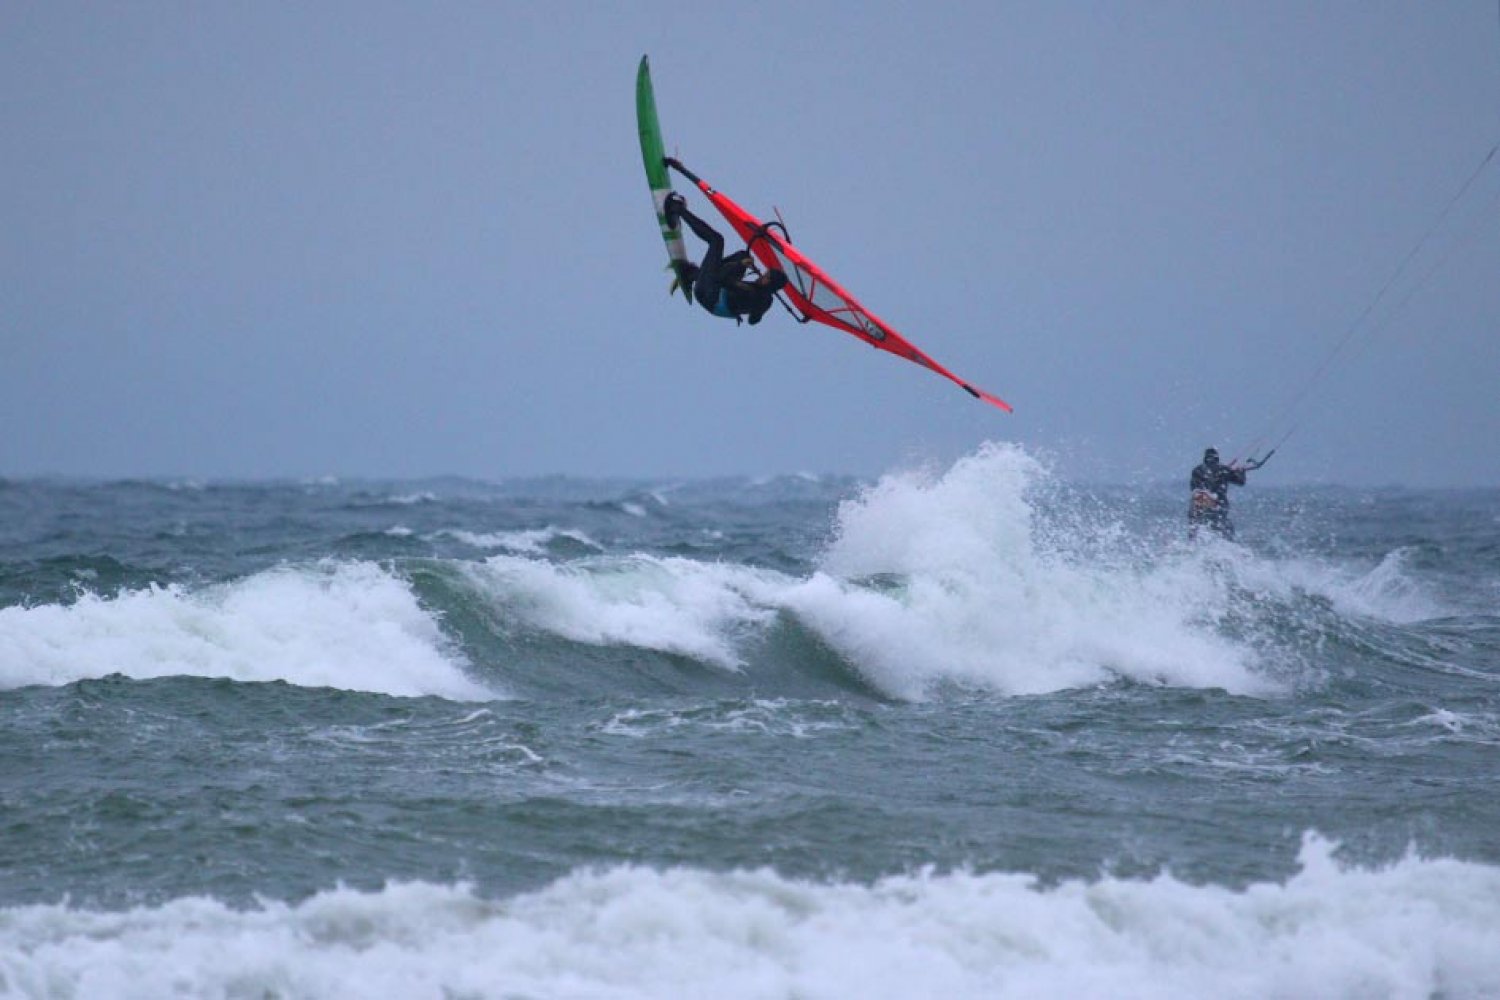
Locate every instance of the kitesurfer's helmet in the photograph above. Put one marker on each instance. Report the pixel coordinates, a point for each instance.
(1211, 456)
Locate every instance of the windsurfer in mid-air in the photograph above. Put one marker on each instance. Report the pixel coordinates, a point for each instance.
(719, 283)
(1210, 484)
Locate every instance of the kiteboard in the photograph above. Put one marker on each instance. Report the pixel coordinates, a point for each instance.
(653, 153)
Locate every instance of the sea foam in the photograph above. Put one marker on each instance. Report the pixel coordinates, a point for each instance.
(343, 625)
(987, 574)
(961, 575)
(982, 590)
(670, 605)
(533, 541)
(1416, 929)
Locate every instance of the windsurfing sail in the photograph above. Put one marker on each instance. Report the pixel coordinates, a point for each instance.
(814, 296)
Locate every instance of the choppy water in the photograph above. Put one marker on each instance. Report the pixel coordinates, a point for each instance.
(968, 731)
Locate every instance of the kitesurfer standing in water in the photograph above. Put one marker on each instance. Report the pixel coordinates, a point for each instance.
(719, 282)
(1210, 484)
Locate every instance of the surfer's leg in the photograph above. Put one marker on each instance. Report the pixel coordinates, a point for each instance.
(708, 234)
(706, 287)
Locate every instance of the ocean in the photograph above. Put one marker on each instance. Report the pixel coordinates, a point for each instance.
(963, 730)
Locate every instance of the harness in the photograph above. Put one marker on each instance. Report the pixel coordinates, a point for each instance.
(721, 307)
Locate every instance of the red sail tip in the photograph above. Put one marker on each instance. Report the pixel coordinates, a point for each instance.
(993, 400)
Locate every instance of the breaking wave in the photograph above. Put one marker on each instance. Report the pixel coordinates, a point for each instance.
(1416, 929)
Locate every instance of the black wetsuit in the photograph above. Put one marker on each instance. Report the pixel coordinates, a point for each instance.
(1210, 484)
(719, 284)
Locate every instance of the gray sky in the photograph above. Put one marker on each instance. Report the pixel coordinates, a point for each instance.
(372, 239)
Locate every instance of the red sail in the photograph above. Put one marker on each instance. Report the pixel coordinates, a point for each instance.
(819, 298)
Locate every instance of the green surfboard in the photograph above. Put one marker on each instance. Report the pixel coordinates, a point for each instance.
(652, 153)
